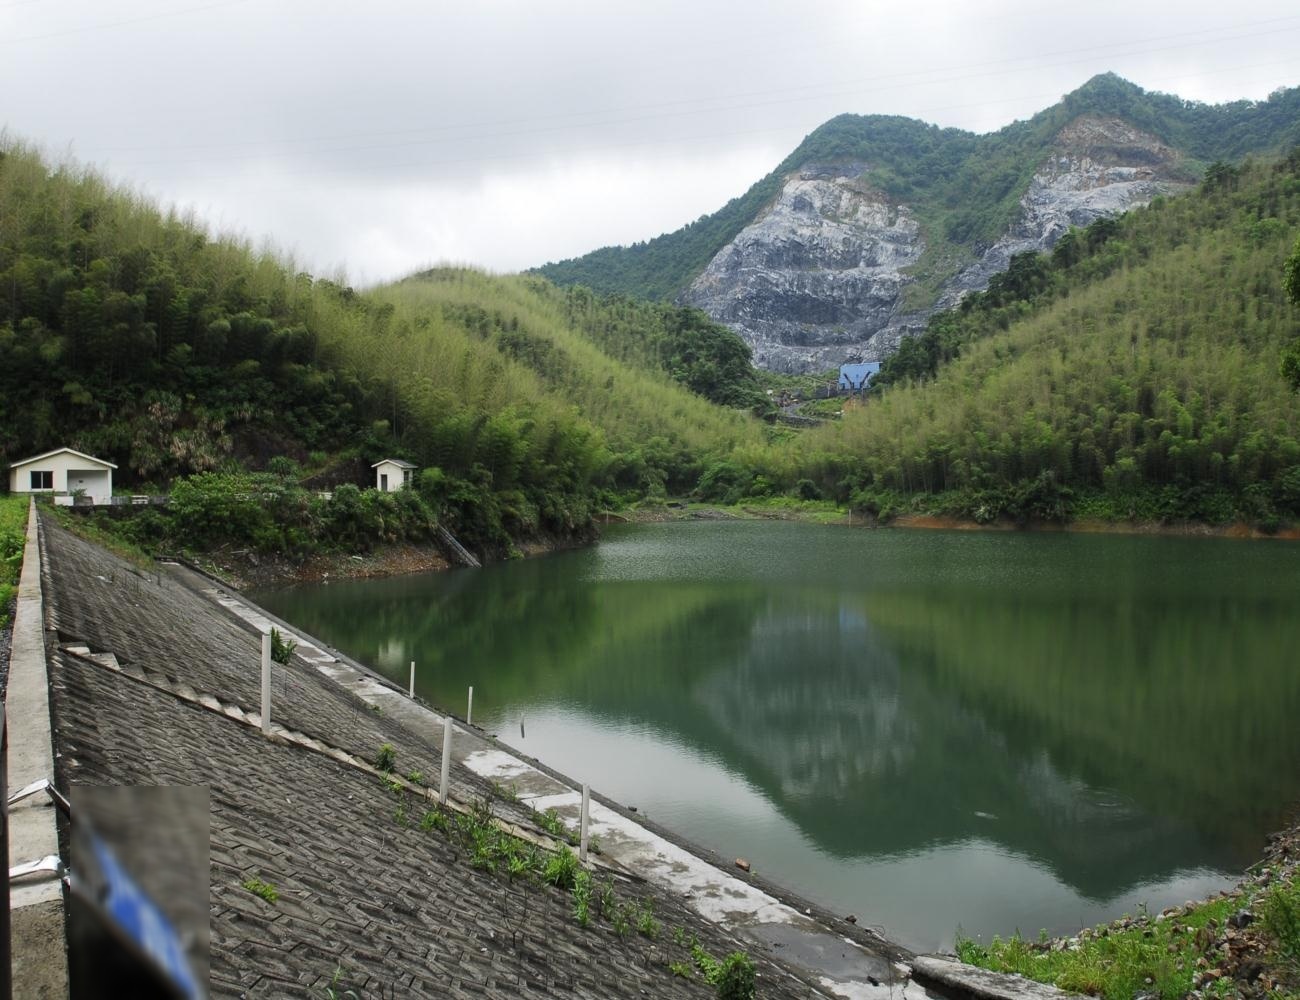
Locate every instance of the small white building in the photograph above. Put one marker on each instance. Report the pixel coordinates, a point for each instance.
(393, 474)
(64, 471)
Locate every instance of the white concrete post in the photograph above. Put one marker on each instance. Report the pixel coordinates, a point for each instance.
(446, 759)
(469, 712)
(412, 678)
(586, 812)
(266, 682)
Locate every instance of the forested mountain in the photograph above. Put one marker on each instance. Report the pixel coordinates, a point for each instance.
(1134, 371)
(875, 221)
(133, 334)
(1137, 371)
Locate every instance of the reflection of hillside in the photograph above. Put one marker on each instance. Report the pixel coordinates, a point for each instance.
(526, 631)
(1185, 708)
(816, 708)
(870, 758)
(1110, 729)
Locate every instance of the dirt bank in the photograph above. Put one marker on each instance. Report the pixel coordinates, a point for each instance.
(243, 569)
(819, 514)
(1237, 530)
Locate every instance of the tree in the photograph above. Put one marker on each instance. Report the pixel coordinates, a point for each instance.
(1290, 366)
(1291, 274)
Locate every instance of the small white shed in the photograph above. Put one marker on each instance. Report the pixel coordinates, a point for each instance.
(392, 474)
(64, 471)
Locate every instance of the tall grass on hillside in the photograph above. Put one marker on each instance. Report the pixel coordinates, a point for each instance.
(134, 333)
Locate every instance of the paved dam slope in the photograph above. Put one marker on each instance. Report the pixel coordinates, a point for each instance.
(155, 684)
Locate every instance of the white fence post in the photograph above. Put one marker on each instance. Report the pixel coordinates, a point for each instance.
(412, 679)
(266, 682)
(446, 758)
(469, 712)
(586, 812)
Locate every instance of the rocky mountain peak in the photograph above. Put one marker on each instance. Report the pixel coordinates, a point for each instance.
(817, 278)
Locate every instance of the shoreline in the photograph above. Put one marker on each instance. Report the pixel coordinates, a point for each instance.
(245, 570)
(820, 514)
(1227, 937)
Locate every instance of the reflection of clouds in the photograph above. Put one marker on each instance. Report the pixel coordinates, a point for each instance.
(815, 698)
(1084, 823)
(1066, 801)
(391, 654)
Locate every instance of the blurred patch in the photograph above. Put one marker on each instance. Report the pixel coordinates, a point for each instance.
(138, 910)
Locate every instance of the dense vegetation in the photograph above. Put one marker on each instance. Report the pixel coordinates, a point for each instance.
(1141, 361)
(132, 333)
(13, 524)
(963, 188)
(1139, 371)
(1290, 366)
(271, 514)
(706, 357)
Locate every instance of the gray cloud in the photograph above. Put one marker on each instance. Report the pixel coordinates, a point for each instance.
(391, 135)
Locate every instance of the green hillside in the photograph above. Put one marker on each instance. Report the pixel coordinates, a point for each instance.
(964, 188)
(1135, 372)
(132, 333)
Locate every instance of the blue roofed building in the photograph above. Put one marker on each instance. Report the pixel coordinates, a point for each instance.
(856, 378)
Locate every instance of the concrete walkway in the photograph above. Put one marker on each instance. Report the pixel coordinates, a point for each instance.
(40, 966)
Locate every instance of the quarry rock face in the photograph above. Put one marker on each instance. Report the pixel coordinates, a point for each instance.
(1098, 167)
(818, 278)
(817, 274)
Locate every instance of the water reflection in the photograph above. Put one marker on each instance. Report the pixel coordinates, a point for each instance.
(895, 722)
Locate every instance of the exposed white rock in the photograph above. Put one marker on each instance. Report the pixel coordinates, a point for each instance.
(817, 279)
(1098, 167)
(817, 273)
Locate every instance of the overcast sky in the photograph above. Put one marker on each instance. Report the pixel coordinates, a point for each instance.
(389, 135)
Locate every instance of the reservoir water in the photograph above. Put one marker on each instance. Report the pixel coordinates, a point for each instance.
(935, 731)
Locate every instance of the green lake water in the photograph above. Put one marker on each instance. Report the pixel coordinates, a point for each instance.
(931, 730)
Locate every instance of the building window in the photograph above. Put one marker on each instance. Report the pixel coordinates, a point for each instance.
(406, 477)
(43, 480)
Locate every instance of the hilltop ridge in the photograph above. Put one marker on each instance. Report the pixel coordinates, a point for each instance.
(874, 222)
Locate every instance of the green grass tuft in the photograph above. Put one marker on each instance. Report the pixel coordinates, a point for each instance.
(263, 889)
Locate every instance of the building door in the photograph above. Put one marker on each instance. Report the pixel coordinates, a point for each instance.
(383, 481)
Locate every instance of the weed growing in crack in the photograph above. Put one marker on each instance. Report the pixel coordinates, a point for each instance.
(646, 924)
(736, 979)
(282, 648)
(434, 819)
(507, 793)
(582, 897)
(552, 824)
(334, 991)
(260, 888)
(562, 869)
(607, 899)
